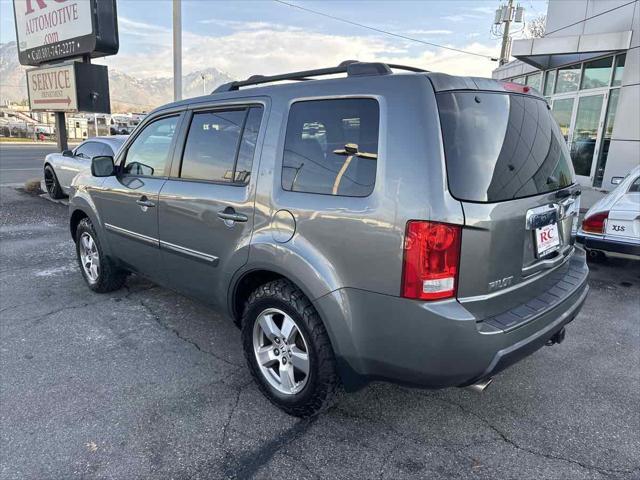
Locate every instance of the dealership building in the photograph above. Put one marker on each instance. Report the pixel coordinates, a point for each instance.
(587, 65)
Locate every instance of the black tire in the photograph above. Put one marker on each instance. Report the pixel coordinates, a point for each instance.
(51, 183)
(323, 384)
(110, 277)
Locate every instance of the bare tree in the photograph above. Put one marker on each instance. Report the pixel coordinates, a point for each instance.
(536, 26)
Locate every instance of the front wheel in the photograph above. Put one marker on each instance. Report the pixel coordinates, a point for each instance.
(51, 183)
(98, 270)
(288, 350)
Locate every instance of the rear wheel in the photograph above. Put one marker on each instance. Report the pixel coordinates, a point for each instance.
(98, 270)
(288, 350)
(51, 183)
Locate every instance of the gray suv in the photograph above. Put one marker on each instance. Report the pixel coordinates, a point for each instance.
(412, 227)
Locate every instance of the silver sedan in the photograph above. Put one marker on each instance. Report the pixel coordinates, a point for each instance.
(612, 224)
(60, 168)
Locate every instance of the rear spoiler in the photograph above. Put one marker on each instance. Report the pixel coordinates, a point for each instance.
(444, 83)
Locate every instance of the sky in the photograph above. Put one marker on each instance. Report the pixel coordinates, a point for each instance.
(243, 37)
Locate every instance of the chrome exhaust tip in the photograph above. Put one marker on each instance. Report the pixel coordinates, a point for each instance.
(481, 386)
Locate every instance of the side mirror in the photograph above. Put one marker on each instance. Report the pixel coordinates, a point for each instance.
(616, 180)
(67, 153)
(102, 167)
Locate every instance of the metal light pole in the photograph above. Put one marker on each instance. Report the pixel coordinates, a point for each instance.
(177, 49)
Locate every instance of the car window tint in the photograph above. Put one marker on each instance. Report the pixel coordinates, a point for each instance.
(501, 146)
(148, 153)
(88, 150)
(105, 150)
(331, 147)
(248, 145)
(210, 150)
(635, 186)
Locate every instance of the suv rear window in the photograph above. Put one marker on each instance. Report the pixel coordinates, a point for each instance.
(501, 146)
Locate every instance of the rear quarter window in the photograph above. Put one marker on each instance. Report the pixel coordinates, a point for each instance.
(501, 147)
(331, 147)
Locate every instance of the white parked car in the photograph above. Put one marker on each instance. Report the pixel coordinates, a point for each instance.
(612, 224)
(60, 168)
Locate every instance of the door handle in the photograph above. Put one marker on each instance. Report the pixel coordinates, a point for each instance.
(229, 214)
(144, 202)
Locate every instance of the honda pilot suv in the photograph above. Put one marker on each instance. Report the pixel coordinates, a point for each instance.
(411, 227)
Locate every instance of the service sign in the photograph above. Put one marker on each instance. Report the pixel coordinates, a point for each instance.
(49, 30)
(53, 89)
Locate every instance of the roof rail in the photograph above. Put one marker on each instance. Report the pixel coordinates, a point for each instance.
(352, 68)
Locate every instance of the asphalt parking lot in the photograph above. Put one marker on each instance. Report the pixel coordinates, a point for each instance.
(145, 383)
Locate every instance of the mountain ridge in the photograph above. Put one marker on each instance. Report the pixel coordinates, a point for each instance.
(127, 93)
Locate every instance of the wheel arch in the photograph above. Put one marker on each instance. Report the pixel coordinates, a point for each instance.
(246, 282)
(74, 220)
(81, 206)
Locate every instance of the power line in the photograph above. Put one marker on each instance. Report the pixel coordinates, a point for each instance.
(379, 30)
(588, 18)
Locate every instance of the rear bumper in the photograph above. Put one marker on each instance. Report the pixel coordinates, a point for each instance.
(525, 347)
(605, 244)
(432, 345)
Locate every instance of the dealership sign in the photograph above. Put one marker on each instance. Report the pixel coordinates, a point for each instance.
(53, 89)
(70, 87)
(58, 29)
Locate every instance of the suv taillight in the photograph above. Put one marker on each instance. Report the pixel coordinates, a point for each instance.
(595, 223)
(431, 260)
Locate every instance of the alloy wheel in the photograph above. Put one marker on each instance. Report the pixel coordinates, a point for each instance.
(49, 181)
(281, 351)
(89, 257)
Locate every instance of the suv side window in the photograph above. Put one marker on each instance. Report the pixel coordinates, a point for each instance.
(635, 186)
(220, 145)
(147, 155)
(242, 169)
(331, 147)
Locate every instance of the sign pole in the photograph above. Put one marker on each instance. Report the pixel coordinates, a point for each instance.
(177, 50)
(61, 130)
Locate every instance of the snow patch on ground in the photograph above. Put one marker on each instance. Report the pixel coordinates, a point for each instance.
(50, 272)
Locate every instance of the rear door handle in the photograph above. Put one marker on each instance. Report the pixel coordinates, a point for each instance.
(229, 214)
(143, 201)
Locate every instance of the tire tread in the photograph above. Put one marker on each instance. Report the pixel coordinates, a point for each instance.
(328, 385)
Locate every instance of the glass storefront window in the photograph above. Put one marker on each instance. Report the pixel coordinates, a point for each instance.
(585, 133)
(549, 82)
(618, 71)
(568, 79)
(534, 80)
(562, 110)
(597, 73)
(606, 137)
